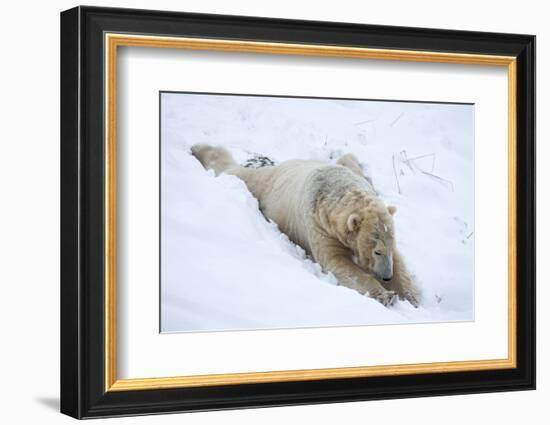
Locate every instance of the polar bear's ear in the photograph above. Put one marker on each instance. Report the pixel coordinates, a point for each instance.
(392, 209)
(353, 222)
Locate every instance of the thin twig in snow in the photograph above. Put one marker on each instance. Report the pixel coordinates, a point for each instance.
(397, 119)
(405, 160)
(440, 179)
(395, 174)
(414, 168)
(363, 122)
(433, 155)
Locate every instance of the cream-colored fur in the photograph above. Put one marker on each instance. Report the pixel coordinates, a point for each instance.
(334, 213)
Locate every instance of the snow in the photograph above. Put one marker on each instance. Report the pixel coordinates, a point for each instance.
(224, 267)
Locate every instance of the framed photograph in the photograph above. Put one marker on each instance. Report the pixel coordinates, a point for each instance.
(260, 212)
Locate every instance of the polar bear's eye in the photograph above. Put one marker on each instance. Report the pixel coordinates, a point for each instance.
(377, 252)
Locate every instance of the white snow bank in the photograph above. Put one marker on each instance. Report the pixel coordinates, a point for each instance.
(224, 267)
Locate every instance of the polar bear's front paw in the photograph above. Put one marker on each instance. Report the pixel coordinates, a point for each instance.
(412, 296)
(386, 298)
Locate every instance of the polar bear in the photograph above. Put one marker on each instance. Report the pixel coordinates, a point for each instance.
(334, 213)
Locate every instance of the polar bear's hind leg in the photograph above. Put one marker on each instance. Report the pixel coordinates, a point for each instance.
(214, 157)
(350, 161)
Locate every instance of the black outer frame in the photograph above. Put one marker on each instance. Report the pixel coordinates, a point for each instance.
(82, 219)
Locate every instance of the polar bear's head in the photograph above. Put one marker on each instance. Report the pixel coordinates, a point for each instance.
(371, 238)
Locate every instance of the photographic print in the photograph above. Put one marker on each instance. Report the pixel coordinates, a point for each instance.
(290, 212)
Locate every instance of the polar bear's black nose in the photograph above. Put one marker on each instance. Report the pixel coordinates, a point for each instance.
(386, 279)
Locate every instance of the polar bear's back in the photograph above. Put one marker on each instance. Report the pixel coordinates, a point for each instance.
(287, 192)
(281, 190)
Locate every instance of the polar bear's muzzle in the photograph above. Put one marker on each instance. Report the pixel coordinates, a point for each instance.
(384, 267)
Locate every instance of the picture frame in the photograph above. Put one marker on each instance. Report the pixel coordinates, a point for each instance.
(91, 38)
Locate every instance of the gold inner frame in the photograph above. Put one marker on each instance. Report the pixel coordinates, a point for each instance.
(113, 41)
